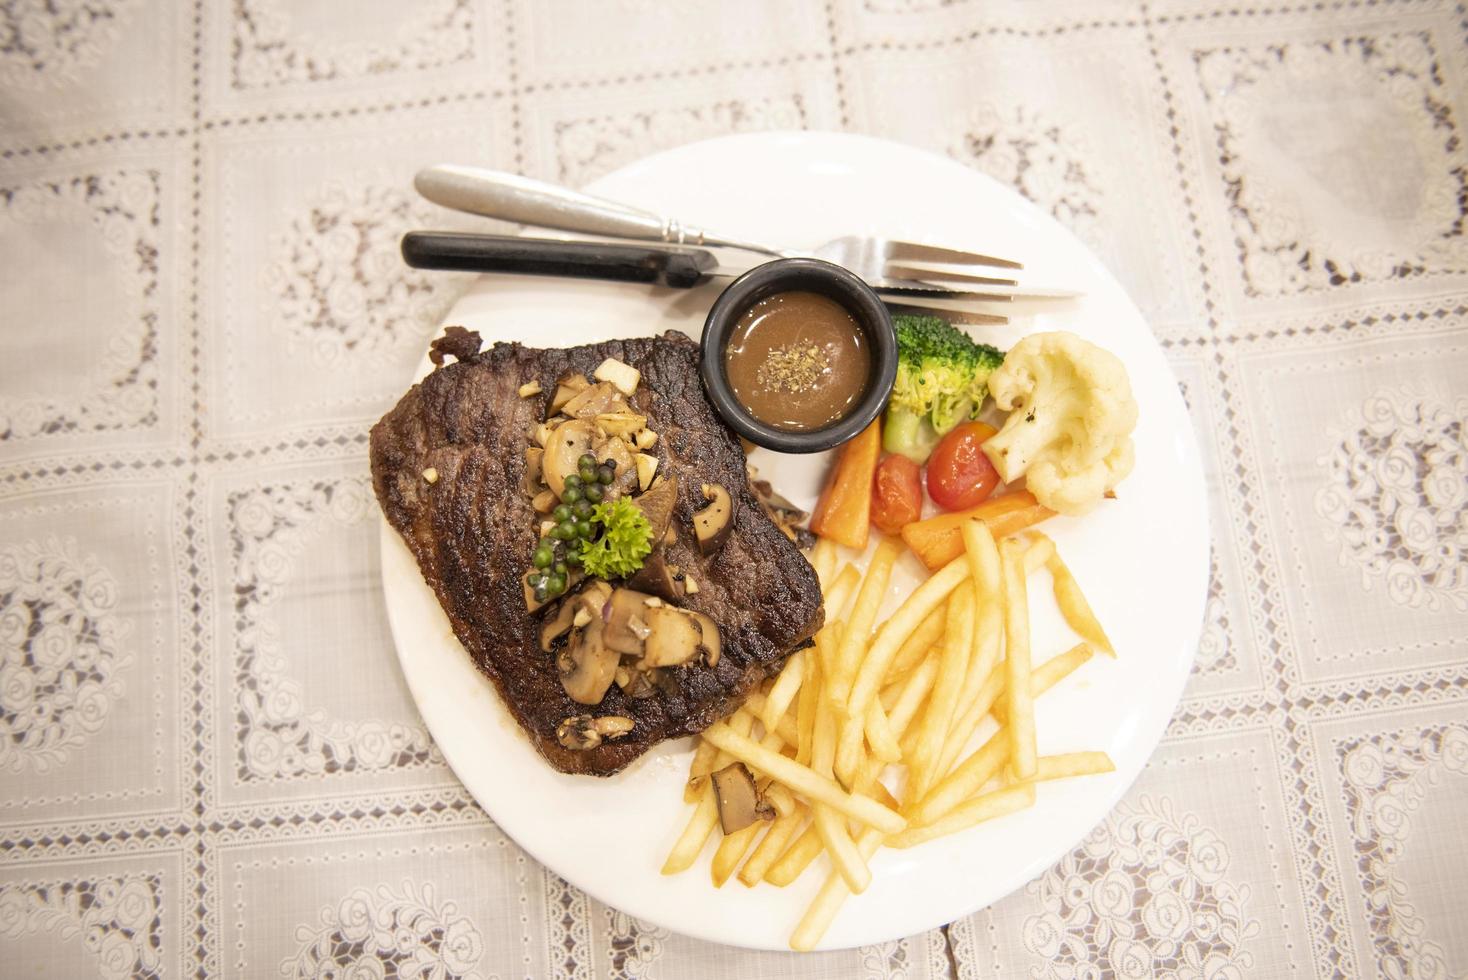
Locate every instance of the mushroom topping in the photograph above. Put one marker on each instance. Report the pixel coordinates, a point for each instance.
(530, 482)
(738, 798)
(709, 640)
(599, 399)
(712, 524)
(588, 665)
(657, 506)
(656, 576)
(567, 388)
(626, 628)
(563, 451)
(675, 637)
(582, 732)
(614, 450)
(556, 626)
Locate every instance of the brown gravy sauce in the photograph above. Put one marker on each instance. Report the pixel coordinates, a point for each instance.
(797, 361)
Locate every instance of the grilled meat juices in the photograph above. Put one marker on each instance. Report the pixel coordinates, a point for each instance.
(596, 670)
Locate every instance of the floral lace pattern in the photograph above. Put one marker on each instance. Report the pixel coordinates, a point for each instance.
(122, 390)
(632, 945)
(1215, 655)
(1386, 779)
(382, 934)
(1052, 167)
(1397, 497)
(46, 43)
(61, 658)
(588, 148)
(281, 737)
(117, 919)
(1293, 233)
(1145, 895)
(268, 52)
(338, 280)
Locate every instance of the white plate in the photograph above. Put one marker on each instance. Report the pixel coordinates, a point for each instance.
(1143, 558)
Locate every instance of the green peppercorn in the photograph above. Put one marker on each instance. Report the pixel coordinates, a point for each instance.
(581, 509)
(543, 557)
(587, 473)
(572, 481)
(571, 495)
(573, 558)
(583, 530)
(560, 514)
(593, 493)
(556, 584)
(606, 473)
(587, 459)
(564, 532)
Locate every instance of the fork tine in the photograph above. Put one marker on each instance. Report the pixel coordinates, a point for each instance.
(898, 271)
(951, 315)
(916, 252)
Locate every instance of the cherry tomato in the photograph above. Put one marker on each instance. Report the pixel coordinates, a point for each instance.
(897, 494)
(960, 476)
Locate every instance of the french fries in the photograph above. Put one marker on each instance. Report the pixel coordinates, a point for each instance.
(896, 703)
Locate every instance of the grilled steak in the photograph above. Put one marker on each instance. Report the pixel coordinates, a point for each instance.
(473, 530)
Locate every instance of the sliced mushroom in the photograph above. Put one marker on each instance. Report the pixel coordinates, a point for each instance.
(657, 506)
(657, 577)
(599, 399)
(636, 683)
(581, 733)
(556, 626)
(563, 450)
(782, 512)
(626, 628)
(709, 640)
(588, 665)
(738, 798)
(567, 388)
(531, 481)
(712, 524)
(613, 449)
(674, 639)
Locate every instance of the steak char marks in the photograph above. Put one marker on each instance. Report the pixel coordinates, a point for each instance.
(473, 531)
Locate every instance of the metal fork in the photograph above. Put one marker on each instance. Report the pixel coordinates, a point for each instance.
(880, 261)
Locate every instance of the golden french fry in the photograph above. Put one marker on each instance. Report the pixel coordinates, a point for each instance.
(823, 560)
(698, 770)
(771, 846)
(792, 864)
(731, 851)
(938, 719)
(781, 799)
(841, 849)
(1074, 607)
(975, 811)
(1071, 764)
(805, 708)
(917, 646)
(879, 734)
(923, 600)
(864, 614)
(690, 844)
(784, 726)
(1037, 553)
(1048, 674)
(785, 688)
(802, 780)
(827, 903)
(963, 782)
(1021, 706)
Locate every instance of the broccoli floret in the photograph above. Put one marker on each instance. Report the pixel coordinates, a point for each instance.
(942, 379)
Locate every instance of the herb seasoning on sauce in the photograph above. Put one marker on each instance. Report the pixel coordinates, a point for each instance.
(797, 361)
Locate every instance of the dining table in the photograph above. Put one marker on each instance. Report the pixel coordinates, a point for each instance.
(210, 760)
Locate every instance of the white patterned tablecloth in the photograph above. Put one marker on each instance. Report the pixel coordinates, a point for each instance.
(209, 763)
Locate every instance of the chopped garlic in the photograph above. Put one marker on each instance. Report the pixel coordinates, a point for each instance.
(647, 467)
(530, 388)
(621, 375)
(645, 439)
(652, 600)
(581, 618)
(430, 475)
(690, 585)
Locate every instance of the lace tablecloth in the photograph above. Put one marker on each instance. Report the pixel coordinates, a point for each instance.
(209, 763)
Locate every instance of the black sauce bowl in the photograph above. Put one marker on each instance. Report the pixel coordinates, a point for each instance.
(810, 275)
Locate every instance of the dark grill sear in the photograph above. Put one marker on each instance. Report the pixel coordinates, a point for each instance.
(473, 531)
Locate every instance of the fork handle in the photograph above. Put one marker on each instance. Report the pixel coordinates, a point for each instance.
(511, 197)
(680, 268)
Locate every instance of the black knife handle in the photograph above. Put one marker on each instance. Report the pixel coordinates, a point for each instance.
(680, 268)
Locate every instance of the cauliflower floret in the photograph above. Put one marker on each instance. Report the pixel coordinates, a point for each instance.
(1070, 423)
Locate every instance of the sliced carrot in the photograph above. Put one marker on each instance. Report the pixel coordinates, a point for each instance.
(843, 513)
(938, 540)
